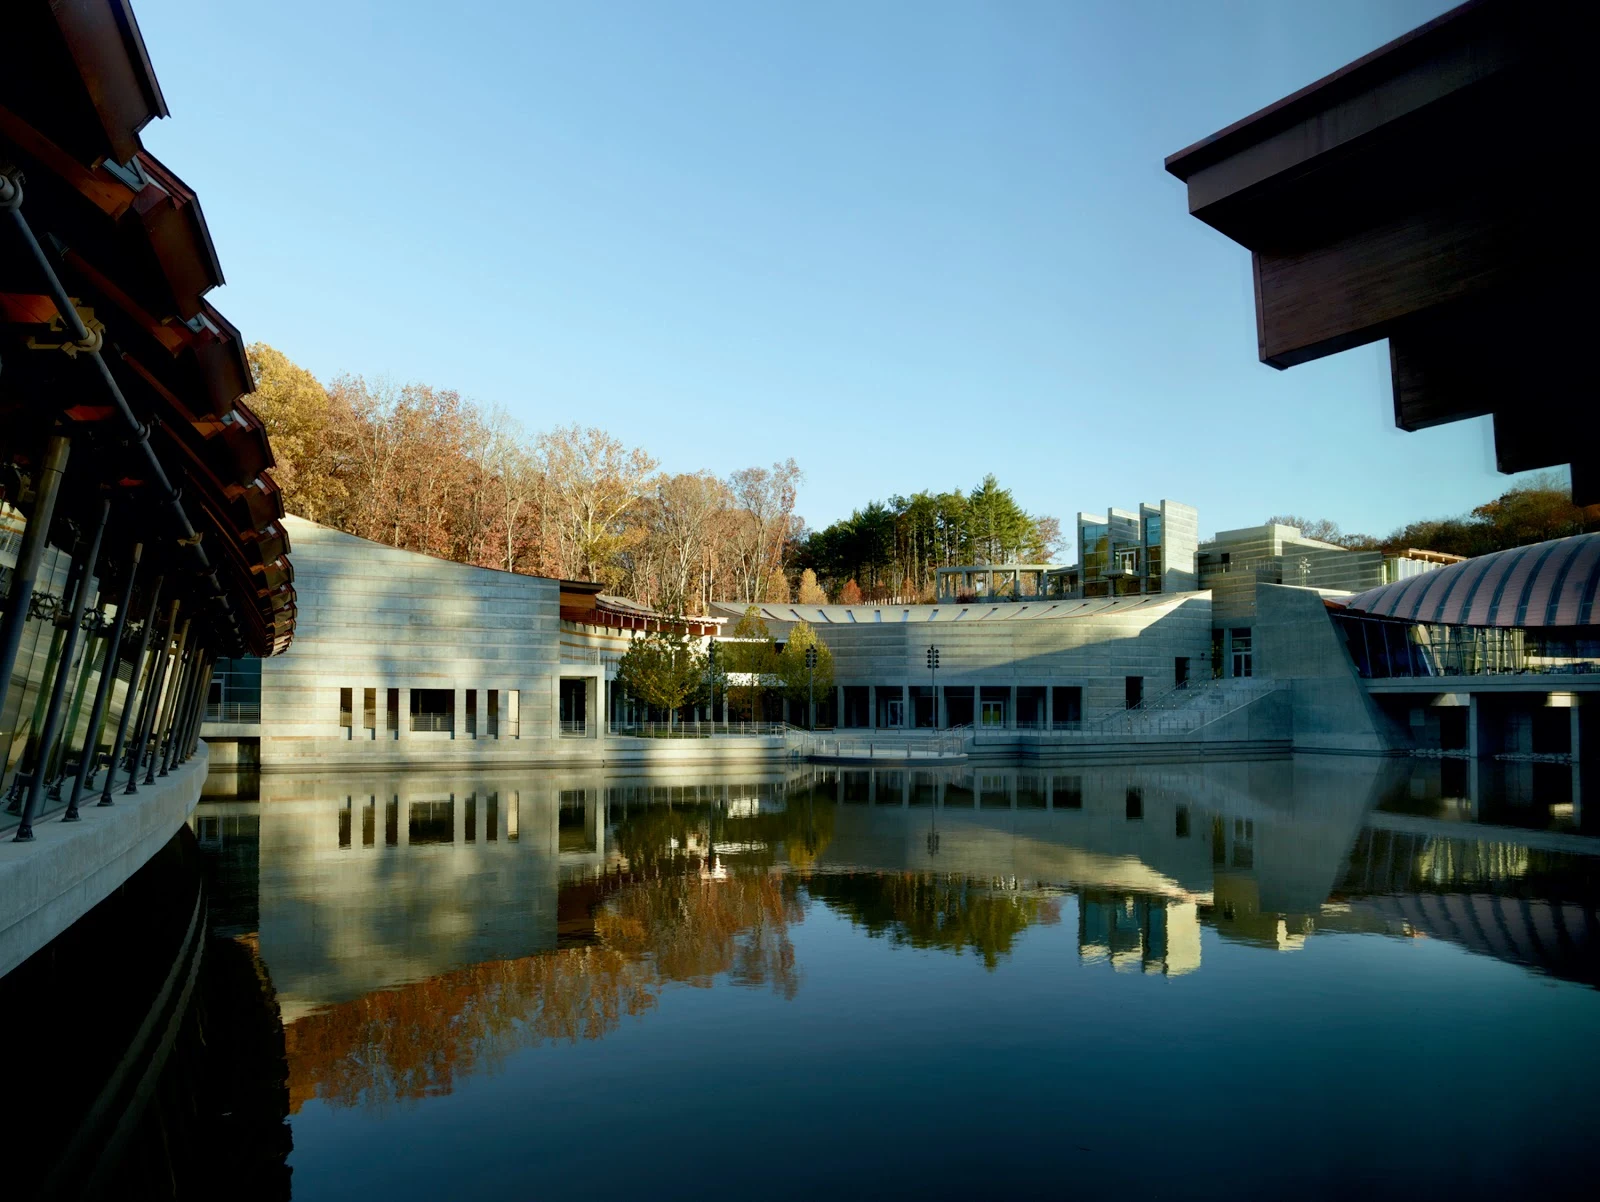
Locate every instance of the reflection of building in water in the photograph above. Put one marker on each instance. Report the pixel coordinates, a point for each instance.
(368, 883)
(1530, 902)
(1148, 934)
(447, 920)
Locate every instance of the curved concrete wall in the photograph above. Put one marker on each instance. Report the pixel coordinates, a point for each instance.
(47, 885)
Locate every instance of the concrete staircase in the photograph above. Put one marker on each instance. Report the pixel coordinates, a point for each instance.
(1183, 711)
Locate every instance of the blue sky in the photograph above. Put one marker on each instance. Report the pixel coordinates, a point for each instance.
(905, 243)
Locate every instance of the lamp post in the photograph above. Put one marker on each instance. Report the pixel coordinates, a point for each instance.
(811, 688)
(933, 681)
(711, 680)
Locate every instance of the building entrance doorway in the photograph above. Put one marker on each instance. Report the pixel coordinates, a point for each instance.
(958, 705)
(574, 707)
(1240, 643)
(894, 713)
(994, 713)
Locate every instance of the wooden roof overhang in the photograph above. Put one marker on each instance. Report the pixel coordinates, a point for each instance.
(581, 602)
(1428, 194)
(614, 620)
(128, 240)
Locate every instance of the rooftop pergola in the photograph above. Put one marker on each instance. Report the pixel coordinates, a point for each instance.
(963, 579)
(1429, 194)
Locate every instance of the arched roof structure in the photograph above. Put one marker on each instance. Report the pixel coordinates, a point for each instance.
(1546, 584)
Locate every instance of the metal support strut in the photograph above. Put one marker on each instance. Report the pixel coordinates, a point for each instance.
(86, 345)
(25, 576)
(102, 695)
(129, 703)
(69, 647)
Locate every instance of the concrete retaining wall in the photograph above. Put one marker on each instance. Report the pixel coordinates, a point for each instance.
(70, 867)
(1296, 643)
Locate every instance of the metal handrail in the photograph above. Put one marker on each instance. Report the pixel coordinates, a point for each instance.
(697, 729)
(885, 744)
(424, 723)
(233, 711)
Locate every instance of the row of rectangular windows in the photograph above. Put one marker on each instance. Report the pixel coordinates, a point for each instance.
(435, 710)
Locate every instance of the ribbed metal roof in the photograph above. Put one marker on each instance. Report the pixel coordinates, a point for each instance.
(1546, 584)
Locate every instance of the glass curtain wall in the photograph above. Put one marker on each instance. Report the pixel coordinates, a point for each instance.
(1152, 552)
(1386, 648)
(1095, 540)
(235, 694)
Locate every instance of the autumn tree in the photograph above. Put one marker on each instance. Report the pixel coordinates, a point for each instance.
(308, 431)
(687, 510)
(750, 654)
(593, 481)
(800, 682)
(850, 594)
(1533, 511)
(1323, 531)
(517, 486)
(764, 524)
(426, 469)
(811, 593)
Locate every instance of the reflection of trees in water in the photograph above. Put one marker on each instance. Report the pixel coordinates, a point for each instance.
(417, 1040)
(693, 929)
(949, 913)
(651, 838)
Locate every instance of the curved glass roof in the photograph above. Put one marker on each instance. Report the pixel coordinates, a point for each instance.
(1546, 584)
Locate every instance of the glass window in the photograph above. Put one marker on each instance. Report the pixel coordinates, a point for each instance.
(1094, 541)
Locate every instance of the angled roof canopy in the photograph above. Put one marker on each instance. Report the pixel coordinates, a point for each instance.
(127, 239)
(1429, 194)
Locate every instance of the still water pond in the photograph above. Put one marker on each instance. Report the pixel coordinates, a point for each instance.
(1313, 977)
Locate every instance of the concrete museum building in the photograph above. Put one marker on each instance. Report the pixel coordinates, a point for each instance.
(401, 657)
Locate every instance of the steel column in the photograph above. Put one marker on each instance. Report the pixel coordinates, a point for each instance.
(52, 717)
(191, 741)
(169, 705)
(102, 695)
(88, 346)
(185, 723)
(183, 673)
(130, 702)
(178, 751)
(35, 537)
(28, 764)
(152, 700)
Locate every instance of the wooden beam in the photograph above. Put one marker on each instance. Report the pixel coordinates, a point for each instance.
(1357, 289)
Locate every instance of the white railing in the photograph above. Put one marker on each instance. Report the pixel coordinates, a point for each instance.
(1177, 712)
(882, 745)
(696, 729)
